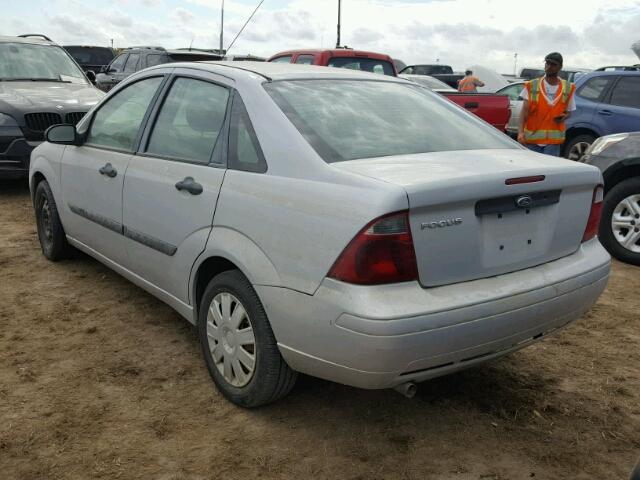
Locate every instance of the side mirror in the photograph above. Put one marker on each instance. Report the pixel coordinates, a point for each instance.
(91, 75)
(62, 135)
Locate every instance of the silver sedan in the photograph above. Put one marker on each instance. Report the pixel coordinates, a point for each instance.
(341, 224)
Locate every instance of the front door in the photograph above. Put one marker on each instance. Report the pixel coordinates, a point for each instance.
(622, 112)
(93, 174)
(171, 187)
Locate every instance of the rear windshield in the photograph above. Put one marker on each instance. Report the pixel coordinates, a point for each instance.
(91, 55)
(352, 119)
(365, 64)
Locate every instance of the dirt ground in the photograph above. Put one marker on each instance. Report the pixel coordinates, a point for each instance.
(98, 379)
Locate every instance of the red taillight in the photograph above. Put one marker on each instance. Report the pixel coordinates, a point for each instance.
(381, 253)
(594, 215)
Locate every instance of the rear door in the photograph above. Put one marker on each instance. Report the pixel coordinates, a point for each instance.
(171, 187)
(93, 174)
(589, 98)
(621, 112)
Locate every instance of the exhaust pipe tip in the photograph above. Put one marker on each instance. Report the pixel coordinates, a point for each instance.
(407, 390)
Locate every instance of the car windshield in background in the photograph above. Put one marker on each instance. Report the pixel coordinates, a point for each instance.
(24, 61)
(91, 55)
(353, 119)
(365, 64)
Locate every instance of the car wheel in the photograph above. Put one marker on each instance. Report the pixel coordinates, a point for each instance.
(53, 240)
(577, 147)
(620, 225)
(238, 344)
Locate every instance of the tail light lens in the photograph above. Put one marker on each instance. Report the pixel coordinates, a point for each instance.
(594, 215)
(382, 252)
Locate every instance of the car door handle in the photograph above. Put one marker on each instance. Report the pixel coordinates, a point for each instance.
(605, 112)
(190, 185)
(108, 170)
(471, 105)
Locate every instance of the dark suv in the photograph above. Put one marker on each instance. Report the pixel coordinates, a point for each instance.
(40, 85)
(134, 59)
(91, 58)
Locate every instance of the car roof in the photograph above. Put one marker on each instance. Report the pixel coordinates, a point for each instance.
(345, 52)
(283, 71)
(610, 73)
(26, 40)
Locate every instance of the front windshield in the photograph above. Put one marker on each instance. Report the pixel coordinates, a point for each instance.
(25, 61)
(353, 119)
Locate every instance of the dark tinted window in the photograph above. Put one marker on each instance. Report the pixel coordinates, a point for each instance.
(155, 59)
(626, 93)
(118, 121)
(132, 62)
(190, 121)
(364, 64)
(118, 63)
(593, 88)
(305, 59)
(91, 55)
(244, 149)
(347, 119)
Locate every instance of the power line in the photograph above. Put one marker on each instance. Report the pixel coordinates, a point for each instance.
(245, 24)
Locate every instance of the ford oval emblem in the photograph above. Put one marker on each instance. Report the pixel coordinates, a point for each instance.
(524, 201)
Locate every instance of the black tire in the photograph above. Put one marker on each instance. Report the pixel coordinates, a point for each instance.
(272, 378)
(614, 196)
(53, 240)
(576, 143)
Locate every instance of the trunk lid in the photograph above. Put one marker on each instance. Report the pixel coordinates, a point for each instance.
(465, 220)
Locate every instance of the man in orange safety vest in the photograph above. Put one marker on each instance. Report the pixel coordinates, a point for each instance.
(469, 83)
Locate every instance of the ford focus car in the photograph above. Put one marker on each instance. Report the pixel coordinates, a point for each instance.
(342, 224)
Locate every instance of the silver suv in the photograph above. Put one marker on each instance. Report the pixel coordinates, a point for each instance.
(346, 225)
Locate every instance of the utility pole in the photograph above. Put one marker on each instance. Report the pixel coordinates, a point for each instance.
(222, 28)
(339, 13)
(515, 64)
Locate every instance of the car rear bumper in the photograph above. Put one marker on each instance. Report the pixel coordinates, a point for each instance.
(380, 337)
(14, 160)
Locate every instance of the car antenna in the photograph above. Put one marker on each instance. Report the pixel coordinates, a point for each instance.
(245, 24)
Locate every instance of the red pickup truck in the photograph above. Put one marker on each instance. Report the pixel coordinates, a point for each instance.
(493, 109)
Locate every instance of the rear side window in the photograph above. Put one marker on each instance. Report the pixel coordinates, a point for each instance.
(348, 119)
(190, 121)
(244, 150)
(304, 60)
(155, 59)
(626, 93)
(593, 88)
(132, 63)
(364, 64)
(285, 59)
(118, 121)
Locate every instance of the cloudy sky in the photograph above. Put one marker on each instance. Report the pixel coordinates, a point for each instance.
(589, 33)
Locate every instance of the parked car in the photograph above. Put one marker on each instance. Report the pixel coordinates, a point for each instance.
(91, 58)
(513, 91)
(339, 58)
(607, 103)
(618, 157)
(337, 223)
(40, 85)
(492, 108)
(135, 59)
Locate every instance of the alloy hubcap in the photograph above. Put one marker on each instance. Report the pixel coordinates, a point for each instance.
(231, 339)
(625, 223)
(578, 150)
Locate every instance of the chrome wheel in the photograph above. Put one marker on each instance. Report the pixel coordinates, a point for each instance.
(231, 339)
(625, 223)
(578, 150)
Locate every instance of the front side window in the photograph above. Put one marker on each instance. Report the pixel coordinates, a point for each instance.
(117, 123)
(118, 64)
(25, 61)
(364, 64)
(304, 60)
(190, 121)
(349, 119)
(593, 88)
(132, 63)
(626, 93)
